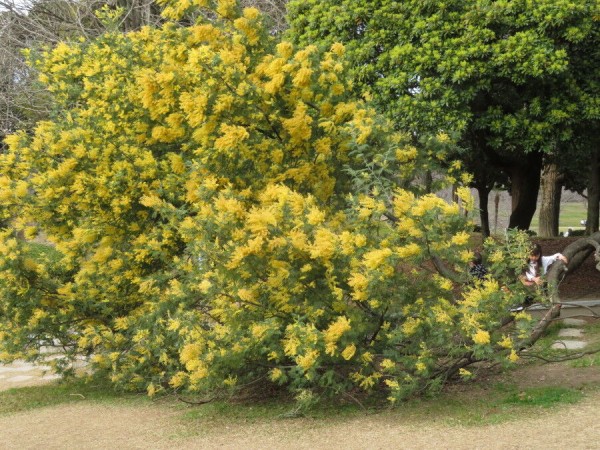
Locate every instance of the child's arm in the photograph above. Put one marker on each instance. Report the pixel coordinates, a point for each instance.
(548, 260)
(558, 257)
(530, 281)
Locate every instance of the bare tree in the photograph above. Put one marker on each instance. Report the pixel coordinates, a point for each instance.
(20, 101)
(275, 10)
(38, 23)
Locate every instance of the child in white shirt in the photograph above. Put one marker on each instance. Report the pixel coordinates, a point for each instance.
(538, 266)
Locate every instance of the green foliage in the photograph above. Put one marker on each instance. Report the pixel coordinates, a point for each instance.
(432, 63)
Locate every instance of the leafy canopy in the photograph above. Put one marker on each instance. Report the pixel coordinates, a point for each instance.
(430, 65)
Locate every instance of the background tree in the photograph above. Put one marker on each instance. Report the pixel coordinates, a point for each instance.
(492, 72)
(38, 23)
(274, 11)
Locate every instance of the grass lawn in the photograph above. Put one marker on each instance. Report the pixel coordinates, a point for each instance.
(469, 405)
(571, 215)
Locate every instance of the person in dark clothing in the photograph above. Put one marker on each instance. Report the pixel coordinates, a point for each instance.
(476, 267)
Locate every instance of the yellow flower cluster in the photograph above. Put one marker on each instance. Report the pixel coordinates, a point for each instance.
(334, 332)
(482, 337)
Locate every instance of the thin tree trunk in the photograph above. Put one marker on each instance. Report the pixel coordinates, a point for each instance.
(484, 214)
(550, 205)
(525, 185)
(593, 191)
(428, 182)
(496, 208)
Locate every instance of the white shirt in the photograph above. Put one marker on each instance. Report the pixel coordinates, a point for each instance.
(546, 262)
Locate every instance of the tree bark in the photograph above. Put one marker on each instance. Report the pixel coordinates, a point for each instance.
(496, 208)
(525, 185)
(550, 205)
(428, 182)
(484, 214)
(593, 191)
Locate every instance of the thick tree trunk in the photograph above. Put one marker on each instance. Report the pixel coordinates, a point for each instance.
(484, 214)
(550, 205)
(593, 191)
(525, 185)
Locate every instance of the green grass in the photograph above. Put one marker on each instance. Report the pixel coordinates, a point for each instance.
(587, 361)
(27, 398)
(544, 397)
(571, 215)
(496, 404)
(492, 405)
(592, 335)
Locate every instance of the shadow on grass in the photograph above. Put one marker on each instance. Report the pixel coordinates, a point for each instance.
(493, 405)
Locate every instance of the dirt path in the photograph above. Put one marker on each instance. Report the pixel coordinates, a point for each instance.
(112, 426)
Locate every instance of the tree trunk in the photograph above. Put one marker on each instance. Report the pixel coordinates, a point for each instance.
(525, 185)
(550, 206)
(453, 195)
(428, 182)
(593, 191)
(484, 214)
(496, 208)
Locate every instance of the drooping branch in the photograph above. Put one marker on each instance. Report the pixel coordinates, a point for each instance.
(564, 358)
(445, 271)
(539, 329)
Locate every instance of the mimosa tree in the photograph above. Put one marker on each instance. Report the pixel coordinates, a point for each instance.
(219, 211)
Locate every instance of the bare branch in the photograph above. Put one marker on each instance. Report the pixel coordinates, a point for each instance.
(561, 359)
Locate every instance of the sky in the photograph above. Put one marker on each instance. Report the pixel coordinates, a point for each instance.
(16, 4)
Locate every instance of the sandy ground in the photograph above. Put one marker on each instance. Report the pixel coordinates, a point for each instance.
(24, 374)
(158, 427)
